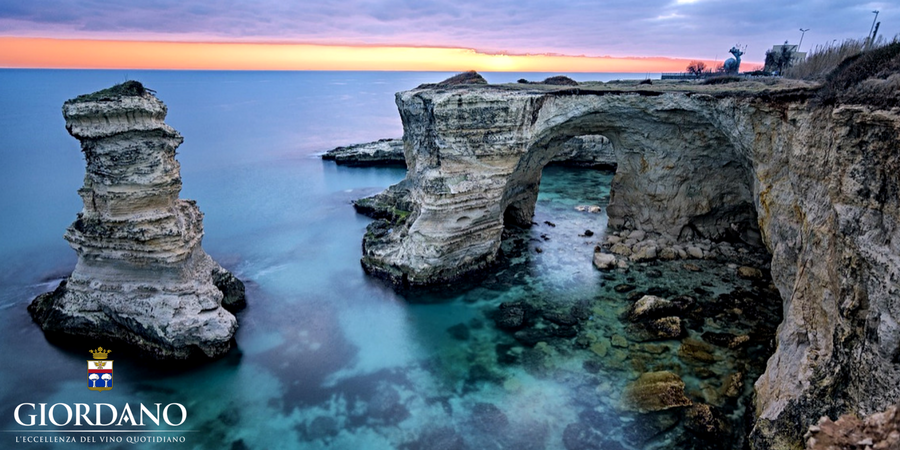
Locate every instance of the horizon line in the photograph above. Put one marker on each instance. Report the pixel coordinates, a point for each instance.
(58, 53)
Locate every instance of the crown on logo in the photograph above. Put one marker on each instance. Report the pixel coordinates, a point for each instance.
(100, 353)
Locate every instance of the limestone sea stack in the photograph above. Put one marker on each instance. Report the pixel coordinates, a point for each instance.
(142, 277)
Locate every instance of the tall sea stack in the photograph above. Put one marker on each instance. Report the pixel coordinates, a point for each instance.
(142, 277)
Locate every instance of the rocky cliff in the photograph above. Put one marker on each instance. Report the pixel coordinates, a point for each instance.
(815, 183)
(142, 277)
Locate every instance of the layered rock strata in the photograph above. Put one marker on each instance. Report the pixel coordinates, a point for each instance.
(142, 276)
(815, 183)
(586, 151)
(383, 152)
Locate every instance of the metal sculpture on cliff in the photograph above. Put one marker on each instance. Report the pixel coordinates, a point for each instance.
(733, 65)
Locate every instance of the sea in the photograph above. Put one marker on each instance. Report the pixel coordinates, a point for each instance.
(328, 357)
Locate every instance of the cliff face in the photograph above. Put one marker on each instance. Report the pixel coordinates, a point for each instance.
(827, 200)
(142, 276)
(816, 185)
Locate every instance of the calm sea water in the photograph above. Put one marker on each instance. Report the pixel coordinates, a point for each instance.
(327, 357)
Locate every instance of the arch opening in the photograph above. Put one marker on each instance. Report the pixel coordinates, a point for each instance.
(677, 174)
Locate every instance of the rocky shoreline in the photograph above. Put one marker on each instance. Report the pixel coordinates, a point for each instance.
(668, 347)
(779, 166)
(620, 248)
(142, 277)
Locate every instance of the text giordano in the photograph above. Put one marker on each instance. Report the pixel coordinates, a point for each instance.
(101, 439)
(40, 414)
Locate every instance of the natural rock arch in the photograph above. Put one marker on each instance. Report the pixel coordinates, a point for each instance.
(702, 181)
(819, 182)
(475, 158)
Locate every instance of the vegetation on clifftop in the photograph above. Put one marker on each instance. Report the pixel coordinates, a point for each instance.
(129, 88)
(869, 78)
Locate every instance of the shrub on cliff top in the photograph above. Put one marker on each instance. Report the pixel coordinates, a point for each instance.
(869, 78)
(561, 80)
(723, 79)
(470, 77)
(129, 88)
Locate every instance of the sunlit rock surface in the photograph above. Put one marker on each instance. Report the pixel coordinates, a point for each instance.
(142, 276)
(815, 184)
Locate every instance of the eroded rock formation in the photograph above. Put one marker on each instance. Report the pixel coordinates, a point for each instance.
(142, 277)
(816, 184)
(586, 151)
(383, 152)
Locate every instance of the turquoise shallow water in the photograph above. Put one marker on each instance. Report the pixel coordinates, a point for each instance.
(330, 358)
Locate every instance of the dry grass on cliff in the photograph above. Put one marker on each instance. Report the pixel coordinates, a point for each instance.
(823, 59)
(869, 78)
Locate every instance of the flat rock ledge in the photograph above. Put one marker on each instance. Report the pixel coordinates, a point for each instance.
(592, 151)
(383, 152)
(142, 277)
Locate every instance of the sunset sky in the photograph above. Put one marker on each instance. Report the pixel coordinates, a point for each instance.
(444, 35)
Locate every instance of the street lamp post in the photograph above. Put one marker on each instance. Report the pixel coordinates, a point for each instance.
(869, 38)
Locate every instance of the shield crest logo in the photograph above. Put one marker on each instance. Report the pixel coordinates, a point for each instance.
(100, 371)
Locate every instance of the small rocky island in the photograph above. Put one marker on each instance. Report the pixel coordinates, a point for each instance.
(805, 172)
(142, 277)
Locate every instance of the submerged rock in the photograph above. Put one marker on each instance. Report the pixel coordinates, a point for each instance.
(655, 391)
(651, 307)
(604, 261)
(322, 427)
(439, 438)
(142, 277)
(695, 351)
(581, 436)
(647, 427)
(512, 315)
(725, 339)
(488, 417)
(663, 328)
(704, 420)
(749, 273)
(459, 332)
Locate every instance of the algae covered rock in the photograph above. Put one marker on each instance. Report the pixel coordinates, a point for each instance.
(655, 391)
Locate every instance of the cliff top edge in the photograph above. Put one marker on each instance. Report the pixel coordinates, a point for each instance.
(129, 88)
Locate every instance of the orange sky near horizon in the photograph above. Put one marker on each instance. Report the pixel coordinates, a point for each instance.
(20, 52)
